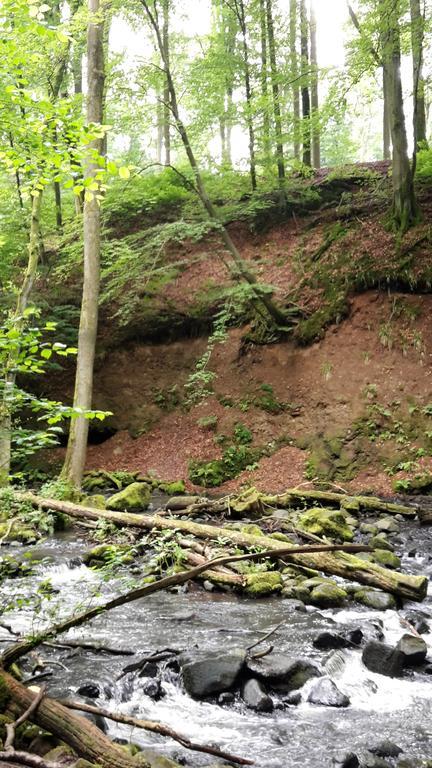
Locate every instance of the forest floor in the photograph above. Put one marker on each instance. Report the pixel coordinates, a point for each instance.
(347, 400)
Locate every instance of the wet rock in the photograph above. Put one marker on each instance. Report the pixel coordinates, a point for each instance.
(263, 583)
(207, 673)
(386, 749)
(255, 696)
(413, 649)
(328, 596)
(354, 636)
(97, 720)
(153, 689)
(327, 640)
(380, 542)
(336, 663)
(150, 669)
(283, 672)
(373, 598)
(227, 697)
(386, 559)
(346, 760)
(326, 522)
(91, 690)
(418, 621)
(326, 693)
(368, 528)
(208, 586)
(373, 761)
(388, 525)
(134, 497)
(294, 605)
(383, 659)
(292, 699)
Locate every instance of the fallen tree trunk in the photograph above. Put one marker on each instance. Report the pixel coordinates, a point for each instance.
(81, 735)
(340, 564)
(294, 495)
(22, 647)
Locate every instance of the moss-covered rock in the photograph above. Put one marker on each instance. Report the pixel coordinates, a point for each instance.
(60, 753)
(16, 530)
(328, 595)
(385, 558)
(326, 522)
(173, 488)
(374, 598)
(133, 498)
(262, 584)
(97, 501)
(103, 554)
(380, 542)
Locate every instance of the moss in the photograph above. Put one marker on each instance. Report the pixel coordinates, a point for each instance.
(18, 531)
(350, 504)
(262, 584)
(97, 501)
(328, 595)
(58, 754)
(252, 530)
(81, 763)
(174, 488)
(106, 553)
(385, 558)
(326, 522)
(374, 598)
(132, 498)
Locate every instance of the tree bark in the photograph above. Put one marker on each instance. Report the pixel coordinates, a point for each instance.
(347, 566)
(306, 121)
(241, 15)
(166, 107)
(77, 444)
(386, 127)
(405, 211)
(417, 40)
(316, 134)
(18, 320)
(294, 78)
(276, 102)
(266, 141)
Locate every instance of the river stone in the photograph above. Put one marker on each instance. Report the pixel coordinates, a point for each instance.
(208, 673)
(373, 761)
(380, 542)
(386, 749)
(383, 659)
(91, 690)
(133, 498)
(153, 689)
(326, 522)
(292, 699)
(346, 760)
(328, 595)
(327, 640)
(418, 621)
(388, 525)
(373, 598)
(368, 528)
(386, 559)
(413, 649)
(255, 697)
(227, 697)
(283, 672)
(326, 693)
(294, 605)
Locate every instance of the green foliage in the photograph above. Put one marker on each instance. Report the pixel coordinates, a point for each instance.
(424, 164)
(237, 456)
(145, 195)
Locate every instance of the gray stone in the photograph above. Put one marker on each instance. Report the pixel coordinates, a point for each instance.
(373, 598)
(283, 672)
(153, 689)
(326, 640)
(326, 693)
(382, 659)
(418, 621)
(386, 749)
(255, 696)
(413, 649)
(388, 525)
(346, 760)
(207, 673)
(227, 697)
(293, 605)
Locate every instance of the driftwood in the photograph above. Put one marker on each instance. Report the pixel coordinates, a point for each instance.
(163, 730)
(19, 759)
(339, 564)
(21, 648)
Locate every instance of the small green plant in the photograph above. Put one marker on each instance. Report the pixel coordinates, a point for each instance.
(208, 423)
(167, 399)
(242, 435)
(327, 370)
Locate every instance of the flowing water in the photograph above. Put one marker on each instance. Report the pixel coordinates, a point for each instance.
(306, 735)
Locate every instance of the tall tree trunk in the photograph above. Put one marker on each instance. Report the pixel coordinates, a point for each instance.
(266, 142)
(316, 143)
(386, 127)
(405, 211)
(417, 39)
(241, 268)
(18, 321)
(306, 122)
(77, 443)
(167, 114)
(241, 15)
(276, 100)
(294, 78)
(160, 125)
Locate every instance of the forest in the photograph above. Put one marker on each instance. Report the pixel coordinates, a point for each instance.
(215, 383)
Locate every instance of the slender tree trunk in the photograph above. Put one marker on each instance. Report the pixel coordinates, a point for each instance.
(386, 127)
(276, 100)
(9, 371)
(294, 78)
(306, 122)
(417, 39)
(405, 211)
(160, 126)
(77, 444)
(241, 268)
(167, 114)
(266, 142)
(248, 88)
(316, 138)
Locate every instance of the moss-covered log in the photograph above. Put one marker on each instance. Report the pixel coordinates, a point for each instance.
(338, 564)
(293, 496)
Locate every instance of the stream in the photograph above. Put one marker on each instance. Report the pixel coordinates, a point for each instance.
(305, 735)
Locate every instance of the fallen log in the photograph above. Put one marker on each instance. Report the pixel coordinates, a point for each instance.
(341, 564)
(162, 730)
(22, 647)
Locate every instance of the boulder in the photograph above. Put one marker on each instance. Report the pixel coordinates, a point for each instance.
(387, 525)
(346, 760)
(386, 559)
(386, 749)
(205, 674)
(413, 649)
(418, 621)
(374, 598)
(255, 696)
(380, 542)
(383, 659)
(263, 583)
(133, 498)
(328, 596)
(326, 693)
(153, 689)
(327, 640)
(373, 761)
(91, 690)
(227, 697)
(326, 522)
(282, 672)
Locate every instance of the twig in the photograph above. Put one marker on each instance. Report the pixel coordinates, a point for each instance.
(88, 646)
(25, 759)
(266, 636)
(159, 728)
(8, 530)
(11, 727)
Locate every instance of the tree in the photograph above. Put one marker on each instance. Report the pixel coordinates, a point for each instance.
(316, 152)
(77, 444)
(306, 105)
(276, 101)
(294, 77)
(419, 106)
